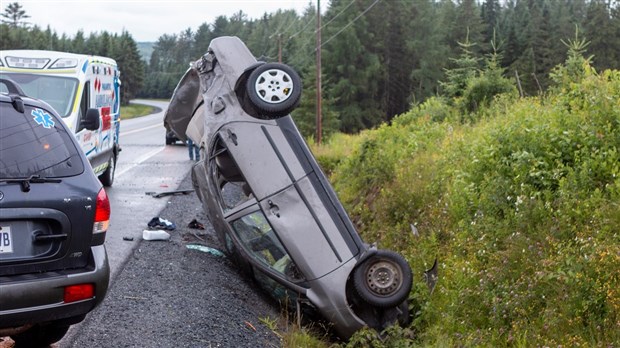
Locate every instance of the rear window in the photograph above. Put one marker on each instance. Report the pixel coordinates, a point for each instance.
(35, 143)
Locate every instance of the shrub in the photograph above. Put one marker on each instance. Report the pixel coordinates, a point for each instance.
(522, 209)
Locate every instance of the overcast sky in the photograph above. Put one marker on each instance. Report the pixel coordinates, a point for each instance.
(145, 20)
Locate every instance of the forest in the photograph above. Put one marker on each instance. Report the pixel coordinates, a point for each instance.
(379, 57)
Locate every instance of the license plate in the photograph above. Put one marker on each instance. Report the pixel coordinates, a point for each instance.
(6, 243)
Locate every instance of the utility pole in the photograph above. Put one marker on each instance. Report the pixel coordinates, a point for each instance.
(279, 48)
(319, 116)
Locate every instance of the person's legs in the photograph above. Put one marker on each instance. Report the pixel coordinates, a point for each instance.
(196, 152)
(190, 148)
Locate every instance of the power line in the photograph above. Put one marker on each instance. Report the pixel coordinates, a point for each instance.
(351, 22)
(278, 32)
(302, 29)
(336, 16)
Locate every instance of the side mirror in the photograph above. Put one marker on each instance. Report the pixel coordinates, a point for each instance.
(92, 120)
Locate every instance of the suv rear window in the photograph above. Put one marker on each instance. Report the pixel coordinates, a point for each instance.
(35, 143)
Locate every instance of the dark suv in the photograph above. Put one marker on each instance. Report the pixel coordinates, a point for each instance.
(54, 215)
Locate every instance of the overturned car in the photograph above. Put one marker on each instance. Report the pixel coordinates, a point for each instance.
(272, 207)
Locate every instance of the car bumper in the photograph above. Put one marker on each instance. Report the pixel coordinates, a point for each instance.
(38, 298)
(328, 294)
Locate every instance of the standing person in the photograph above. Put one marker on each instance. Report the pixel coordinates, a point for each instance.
(194, 152)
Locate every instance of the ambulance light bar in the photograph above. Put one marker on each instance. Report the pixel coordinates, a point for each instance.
(63, 63)
(27, 63)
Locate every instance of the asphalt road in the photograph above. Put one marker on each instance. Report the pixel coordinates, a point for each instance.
(170, 296)
(163, 294)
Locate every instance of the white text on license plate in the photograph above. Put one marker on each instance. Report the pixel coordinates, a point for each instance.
(6, 243)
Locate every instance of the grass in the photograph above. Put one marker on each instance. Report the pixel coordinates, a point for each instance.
(135, 110)
(521, 205)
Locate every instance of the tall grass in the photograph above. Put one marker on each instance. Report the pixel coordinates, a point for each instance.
(521, 207)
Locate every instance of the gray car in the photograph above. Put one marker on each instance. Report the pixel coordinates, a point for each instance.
(54, 214)
(271, 205)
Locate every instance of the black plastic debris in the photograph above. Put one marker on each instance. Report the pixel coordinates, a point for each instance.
(195, 224)
(158, 223)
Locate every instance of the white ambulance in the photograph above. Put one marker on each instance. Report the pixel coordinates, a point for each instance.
(84, 90)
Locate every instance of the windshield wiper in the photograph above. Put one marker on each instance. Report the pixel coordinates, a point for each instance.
(33, 179)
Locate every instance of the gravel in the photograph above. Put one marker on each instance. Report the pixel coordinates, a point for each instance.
(170, 296)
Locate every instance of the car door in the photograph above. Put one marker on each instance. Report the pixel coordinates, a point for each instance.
(86, 138)
(263, 155)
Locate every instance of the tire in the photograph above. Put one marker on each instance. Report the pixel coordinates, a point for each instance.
(274, 90)
(40, 336)
(107, 178)
(383, 280)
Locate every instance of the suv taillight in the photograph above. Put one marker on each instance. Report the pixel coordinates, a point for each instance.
(102, 213)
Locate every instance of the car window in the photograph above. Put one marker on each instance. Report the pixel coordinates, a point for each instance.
(57, 91)
(260, 240)
(35, 143)
(84, 105)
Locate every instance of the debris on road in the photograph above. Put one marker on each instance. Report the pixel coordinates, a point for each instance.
(155, 235)
(205, 249)
(159, 223)
(195, 224)
(168, 193)
(250, 325)
(128, 239)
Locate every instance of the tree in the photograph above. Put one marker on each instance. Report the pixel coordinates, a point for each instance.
(14, 15)
(599, 28)
(352, 62)
(490, 12)
(125, 52)
(574, 68)
(469, 22)
(481, 90)
(465, 68)
(428, 50)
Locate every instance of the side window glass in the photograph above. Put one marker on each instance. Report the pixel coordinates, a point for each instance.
(84, 104)
(260, 240)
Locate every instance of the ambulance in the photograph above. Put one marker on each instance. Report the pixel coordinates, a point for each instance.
(83, 89)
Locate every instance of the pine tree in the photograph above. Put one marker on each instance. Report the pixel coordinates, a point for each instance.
(599, 28)
(14, 15)
(466, 67)
(490, 12)
(427, 51)
(129, 61)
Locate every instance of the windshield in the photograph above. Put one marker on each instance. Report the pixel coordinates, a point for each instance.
(35, 143)
(57, 91)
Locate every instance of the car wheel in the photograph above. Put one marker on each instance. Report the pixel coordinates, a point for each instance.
(107, 178)
(40, 336)
(274, 89)
(383, 280)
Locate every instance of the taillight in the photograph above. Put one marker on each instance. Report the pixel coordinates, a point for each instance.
(79, 292)
(102, 213)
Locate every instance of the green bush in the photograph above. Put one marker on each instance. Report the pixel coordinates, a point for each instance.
(522, 209)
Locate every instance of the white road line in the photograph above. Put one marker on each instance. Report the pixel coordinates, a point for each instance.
(140, 160)
(139, 130)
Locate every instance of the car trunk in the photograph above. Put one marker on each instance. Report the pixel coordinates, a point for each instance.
(37, 235)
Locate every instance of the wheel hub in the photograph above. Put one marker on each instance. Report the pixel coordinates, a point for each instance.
(383, 278)
(274, 86)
